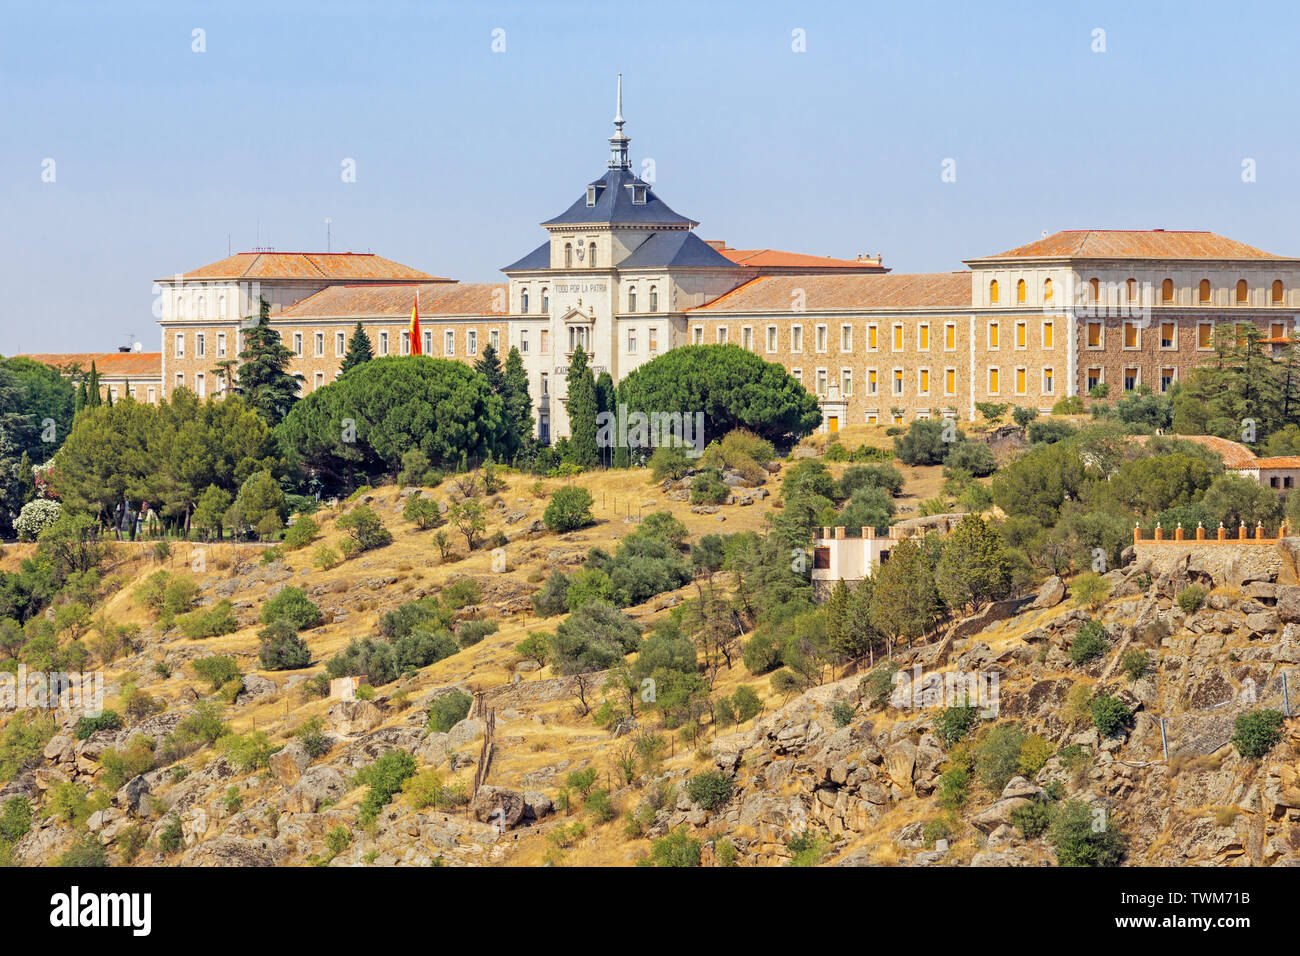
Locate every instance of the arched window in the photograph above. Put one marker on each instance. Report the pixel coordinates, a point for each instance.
(1096, 289)
(1243, 291)
(523, 301)
(568, 255)
(1047, 290)
(1131, 289)
(203, 308)
(1203, 292)
(1167, 291)
(180, 308)
(631, 299)
(993, 292)
(221, 306)
(546, 302)
(1020, 291)
(591, 255)
(654, 299)
(1277, 291)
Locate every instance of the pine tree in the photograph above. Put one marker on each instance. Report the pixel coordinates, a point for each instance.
(489, 366)
(264, 383)
(359, 350)
(582, 411)
(974, 567)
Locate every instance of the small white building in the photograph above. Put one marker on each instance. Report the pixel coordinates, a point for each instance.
(839, 557)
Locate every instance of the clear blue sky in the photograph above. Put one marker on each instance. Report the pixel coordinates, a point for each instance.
(161, 153)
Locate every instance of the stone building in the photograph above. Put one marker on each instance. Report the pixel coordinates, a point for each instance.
(126, 371)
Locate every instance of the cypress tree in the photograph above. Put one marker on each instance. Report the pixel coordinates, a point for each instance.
(93, 399)
(264, 383)
(582, 411)
(359, 350)
(518, 403)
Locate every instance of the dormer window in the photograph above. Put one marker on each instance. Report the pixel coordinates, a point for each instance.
(591, 196)
(638, 194)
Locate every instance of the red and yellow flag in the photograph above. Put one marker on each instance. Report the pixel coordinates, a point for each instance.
(415, 326)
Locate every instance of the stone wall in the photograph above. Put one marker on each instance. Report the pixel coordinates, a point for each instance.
(1231, 561)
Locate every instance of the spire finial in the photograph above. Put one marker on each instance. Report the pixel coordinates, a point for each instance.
(618, 154)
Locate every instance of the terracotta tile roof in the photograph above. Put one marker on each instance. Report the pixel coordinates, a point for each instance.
(1234, 455)
(1278, 461)
(775, 258)
(309, 265)
(939, 290)
(129, 364)
(1132, 244)
(449, 298)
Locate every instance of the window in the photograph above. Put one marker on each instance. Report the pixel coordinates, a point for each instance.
(523, 341)
(1093, 378)
(591, 254)
(638, 194)
(340, 344)
(898, 337)
(771, 338)
(873, 382)
(1205, 335)
(993, 292)
(494, 339)
(523, 301)
(319, 342)
(846, 338)
(923, 336)
(950, 337)
(221, 345)
(747, 337)
(1094, 337)
(426, 341)
(1167, 291)
(652, 337)
(203, 308)
(631, 340)
(1131, 290)
(546, 385)
(200, 344)
(180, 345)
(383, 343)
(221, 306)
(1168, 335)
(821, 381)
(1049, 382)
(1020, 292)
(923, 381)
(873, 418)
(994, 335)
(297, 344)
(1130, 379)
(846, 382)
(1095, 284)
(568, 255)
(1049, 331)
(1203, 292)
(797, 375)
(591, 196)
(200, 385)
(320, 380)
(821, 338)
(180, 308)
(898, 381)
(1022, 376)
(697, 335)
(449, 342)
(872, 340)
(796, 338)
(1243, 292)
(1047, 290)
(1022, 335)
(722, 335)
(950, 381)
(153, 394)
(1277, 330)
(471, 342)
(993, 380)
(1132, 335)
(544, 341)
(1167, 378)
(406, 343)
(180, 379)
(654, 299)
(631, 299)
(1277, 291)
(546, 302)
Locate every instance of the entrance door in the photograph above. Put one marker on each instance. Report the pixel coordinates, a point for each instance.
(833, 424)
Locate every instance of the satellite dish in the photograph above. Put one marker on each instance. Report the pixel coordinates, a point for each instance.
(138, 347)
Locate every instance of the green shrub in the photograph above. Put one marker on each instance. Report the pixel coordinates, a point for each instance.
(710, 789)
(446, 711)
(171, 836)
(997, 755)
(600, 806)
(246, 752)
(1032, 819)
(326, 558)
(675, 849)
(955, 723)
(1079, 841)
(293, 605)
(15, 820)
(86, 726)
(1089, 644)
(281, 647)
(747, 703)
(470, 633)
(384, 777)
(569, 509)
(86, 851)
(807, 849)
(1109, 714)
(582, 780)
(424, 512)
(217, 670)
(708, 488)
(1255, 733)
(954, 788)
(364, 529)
(1135, 663)
(212, 622)
(301, 533)
(1034, 754)
(1191, 598)
(313, 738)
(842, 713)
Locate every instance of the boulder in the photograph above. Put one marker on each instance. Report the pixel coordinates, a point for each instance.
(349, 717)
(997, 814)
(316, 786)
(1050, 594)
(288, 763)
(900, 761)
(256, 686)
(134, 796)
(500, 806)
(466, 732)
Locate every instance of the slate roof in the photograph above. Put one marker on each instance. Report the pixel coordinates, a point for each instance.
(1132, 244)
(676, 249)
(539, 258)
(614, 204)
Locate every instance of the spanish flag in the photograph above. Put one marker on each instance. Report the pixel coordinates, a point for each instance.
(415, 326)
